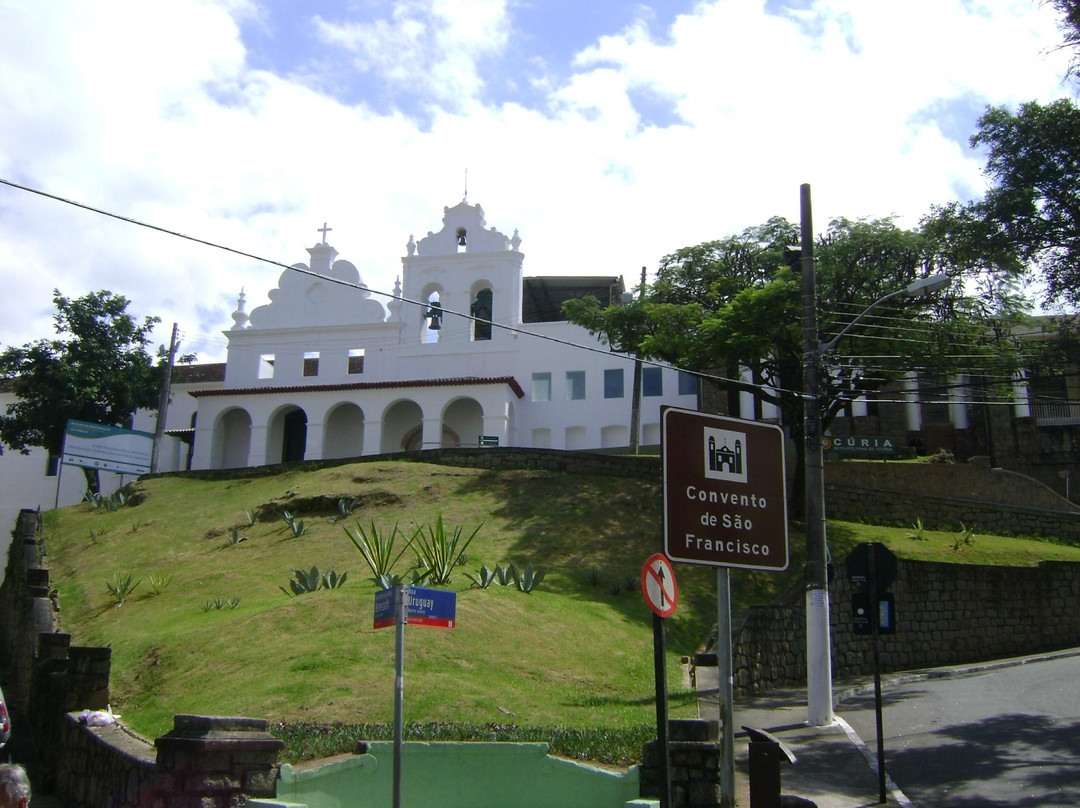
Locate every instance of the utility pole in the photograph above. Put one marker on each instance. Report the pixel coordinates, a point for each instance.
(163, 403)
(635, 400)
(818, 641)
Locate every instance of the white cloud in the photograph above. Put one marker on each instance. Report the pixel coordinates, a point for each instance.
(152, 111)
(430, 46)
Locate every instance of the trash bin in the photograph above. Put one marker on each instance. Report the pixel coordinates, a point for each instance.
(767, 752)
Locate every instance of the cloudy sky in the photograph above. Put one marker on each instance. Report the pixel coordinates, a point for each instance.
(609, 133)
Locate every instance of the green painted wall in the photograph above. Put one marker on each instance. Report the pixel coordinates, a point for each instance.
(454, 775)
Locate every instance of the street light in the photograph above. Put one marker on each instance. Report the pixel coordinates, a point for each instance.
(818, 643)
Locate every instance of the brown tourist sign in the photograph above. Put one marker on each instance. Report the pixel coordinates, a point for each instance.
(725, 501)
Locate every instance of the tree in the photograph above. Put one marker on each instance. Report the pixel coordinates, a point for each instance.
(1070, 29)
(732, 308)
(1029, 220)
(96, 370)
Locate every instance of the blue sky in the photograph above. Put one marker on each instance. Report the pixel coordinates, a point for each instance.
(608, 133)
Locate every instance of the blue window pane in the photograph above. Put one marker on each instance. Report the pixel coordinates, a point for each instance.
(652, 382)
(613, 383)
(687, 384)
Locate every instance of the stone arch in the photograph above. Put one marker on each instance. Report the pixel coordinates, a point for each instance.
(343, 433)
(400, 420)
(286, 435)
(413, 441)
(464, 419)
(232, 439)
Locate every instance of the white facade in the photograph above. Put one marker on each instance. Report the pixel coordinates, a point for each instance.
(326, 371)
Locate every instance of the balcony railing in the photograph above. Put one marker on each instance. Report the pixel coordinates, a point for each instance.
(1059, 413)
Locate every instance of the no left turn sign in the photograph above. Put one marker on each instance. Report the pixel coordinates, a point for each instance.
(658, 585)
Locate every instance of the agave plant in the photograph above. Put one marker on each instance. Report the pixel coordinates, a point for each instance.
(121, 586)
(503, 575)
(439, 549)
(303, 581)
(331, 580)
(345, 507)
(378, 550)
(159, 582)
(527, 579)
(483, 578)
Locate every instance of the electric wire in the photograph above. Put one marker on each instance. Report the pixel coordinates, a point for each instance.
(330, 279)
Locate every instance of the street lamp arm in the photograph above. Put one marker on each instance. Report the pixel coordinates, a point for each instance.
(922, 286)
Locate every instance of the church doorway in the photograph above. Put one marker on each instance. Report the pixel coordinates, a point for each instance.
(294, 436)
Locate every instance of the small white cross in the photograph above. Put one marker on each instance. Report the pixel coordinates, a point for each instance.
(324, 230)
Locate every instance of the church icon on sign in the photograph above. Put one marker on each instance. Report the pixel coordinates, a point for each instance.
(725, 455)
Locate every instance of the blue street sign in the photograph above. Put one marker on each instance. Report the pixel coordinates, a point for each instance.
(424, 607)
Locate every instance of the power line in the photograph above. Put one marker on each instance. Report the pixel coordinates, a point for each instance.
(305, 271)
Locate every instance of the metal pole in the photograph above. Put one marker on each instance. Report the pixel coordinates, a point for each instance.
(635, 399)
(163, 404)
(660, 670)
(724, 672)
(818, 643)
(400, 618)
(875, 625)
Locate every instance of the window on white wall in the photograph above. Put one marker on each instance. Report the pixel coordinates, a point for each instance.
(652, 382)
(266, 366)
(356, 361)
(52, 465)
(575, 385)
(688, 384)
(541, 387)
(613, 383)
(311, 363)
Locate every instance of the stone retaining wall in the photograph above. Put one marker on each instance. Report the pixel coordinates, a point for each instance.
(947, 495)
(946, 614)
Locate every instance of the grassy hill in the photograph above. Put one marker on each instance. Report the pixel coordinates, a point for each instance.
(576, 653)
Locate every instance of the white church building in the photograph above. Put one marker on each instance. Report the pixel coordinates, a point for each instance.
(467, 352)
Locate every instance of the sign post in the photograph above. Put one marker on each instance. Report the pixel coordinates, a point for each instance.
(421, 607)
(725, 505)
(662, 594)
(871, 568)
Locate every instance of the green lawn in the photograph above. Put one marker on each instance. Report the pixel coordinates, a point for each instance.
(575, 654)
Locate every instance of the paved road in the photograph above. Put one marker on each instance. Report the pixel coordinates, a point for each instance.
(1005, 737)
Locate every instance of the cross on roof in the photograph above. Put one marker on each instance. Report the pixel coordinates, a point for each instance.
(324, 230)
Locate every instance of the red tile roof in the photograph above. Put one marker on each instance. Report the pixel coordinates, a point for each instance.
(468, 381)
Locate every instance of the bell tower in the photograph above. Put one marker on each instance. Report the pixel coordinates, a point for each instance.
(466, 267)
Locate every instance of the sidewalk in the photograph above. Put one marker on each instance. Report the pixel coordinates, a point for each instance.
(833, 767)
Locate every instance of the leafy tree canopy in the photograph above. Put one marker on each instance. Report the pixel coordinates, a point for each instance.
(1029, 220)
(733, 308)
(97, 369)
